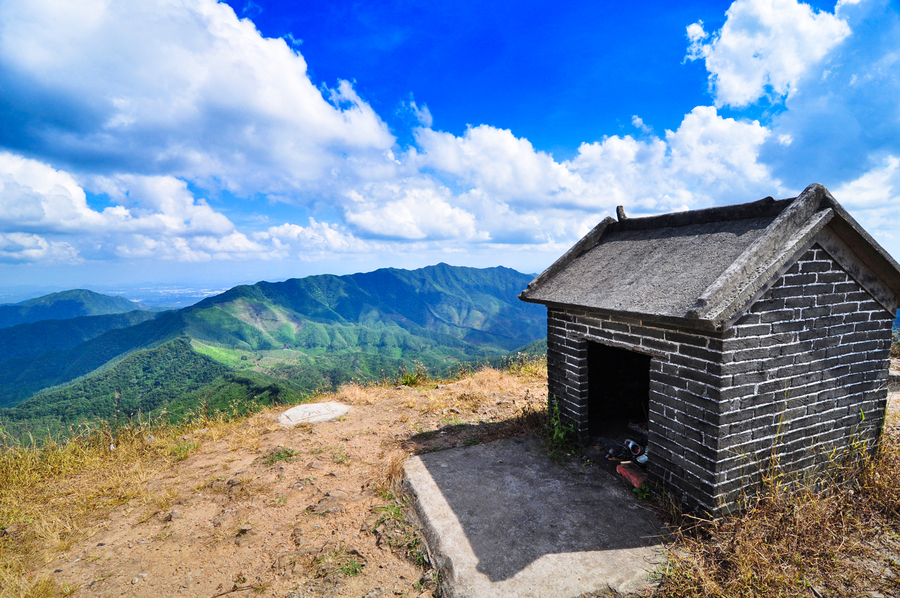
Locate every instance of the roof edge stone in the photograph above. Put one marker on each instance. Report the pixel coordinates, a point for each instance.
(867, 249)
(755, 266)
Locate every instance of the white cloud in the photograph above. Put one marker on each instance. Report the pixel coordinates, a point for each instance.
(423, 114)
(707, 159)
(506, 192)
(153, 216)
(409, 209)
(764, 46)
(161, 204)
(34, 196)
(234, 246)
(640, 125)
(25, 248)
(179, 88)
(873, 198)
(719, 156)
(318, 238)
(498, 162)
(877, 187)
(163, 98)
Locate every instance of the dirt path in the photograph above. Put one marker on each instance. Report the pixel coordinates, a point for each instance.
(302, 512)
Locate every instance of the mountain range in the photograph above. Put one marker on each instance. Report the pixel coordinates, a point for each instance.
(64, 305)
(78, 355)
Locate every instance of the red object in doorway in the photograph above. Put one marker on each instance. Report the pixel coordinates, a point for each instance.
(631, 472)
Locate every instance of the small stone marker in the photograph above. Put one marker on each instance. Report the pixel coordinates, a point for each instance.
(312, 413)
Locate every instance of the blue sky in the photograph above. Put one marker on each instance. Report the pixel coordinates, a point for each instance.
(195, 142)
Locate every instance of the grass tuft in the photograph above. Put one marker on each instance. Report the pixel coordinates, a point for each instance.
(415, 377)
(524, 364)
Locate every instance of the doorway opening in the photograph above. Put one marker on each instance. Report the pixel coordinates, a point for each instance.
(618, 400)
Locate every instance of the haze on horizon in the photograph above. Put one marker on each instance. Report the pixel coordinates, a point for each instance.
(204, 143)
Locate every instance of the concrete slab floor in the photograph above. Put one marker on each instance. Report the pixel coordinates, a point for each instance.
(502, 519)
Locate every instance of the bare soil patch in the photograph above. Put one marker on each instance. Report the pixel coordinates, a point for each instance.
(311, 511)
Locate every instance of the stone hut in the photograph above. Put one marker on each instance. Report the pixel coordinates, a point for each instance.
(723, 338)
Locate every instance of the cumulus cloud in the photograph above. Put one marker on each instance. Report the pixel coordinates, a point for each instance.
(498, 162)
(35, 196)
(234, 246)
(489, 187)
(179, 88)
(155, 216)
(20, 248)
(409, 209)
(873, 198)
(719, 156)
(765, 46)
(843, 124)
(137, 109)
(316, 240)
(640, 125)
(161, 204)
(707, 157)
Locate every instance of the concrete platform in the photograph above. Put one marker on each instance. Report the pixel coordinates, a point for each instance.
(502, 519)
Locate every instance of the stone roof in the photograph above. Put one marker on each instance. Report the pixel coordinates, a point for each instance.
(703, 268)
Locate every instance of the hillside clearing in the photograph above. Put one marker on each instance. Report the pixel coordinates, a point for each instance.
(223, 507)
(248, 505)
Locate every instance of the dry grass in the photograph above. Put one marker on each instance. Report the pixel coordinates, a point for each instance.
(58, 494)
(529, 366)
(353, 393)
(837, 539)
(53, 495)
(390, 471)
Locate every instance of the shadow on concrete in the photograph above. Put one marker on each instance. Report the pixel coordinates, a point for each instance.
(513, 505)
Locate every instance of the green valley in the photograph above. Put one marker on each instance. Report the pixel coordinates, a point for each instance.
(272, 342)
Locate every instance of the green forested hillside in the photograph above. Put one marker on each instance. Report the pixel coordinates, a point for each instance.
(170, 380)
(23, 377)
(64, 305)
(272, 340)
(476, 306)
(35, 338)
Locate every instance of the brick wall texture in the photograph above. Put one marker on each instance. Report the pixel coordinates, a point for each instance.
(803, 373)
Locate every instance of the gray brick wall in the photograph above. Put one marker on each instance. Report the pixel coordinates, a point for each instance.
(684, 382)
(803, 373)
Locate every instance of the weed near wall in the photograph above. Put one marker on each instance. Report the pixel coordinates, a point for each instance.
(559, 436)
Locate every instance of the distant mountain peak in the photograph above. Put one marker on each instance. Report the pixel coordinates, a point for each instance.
(64, 305)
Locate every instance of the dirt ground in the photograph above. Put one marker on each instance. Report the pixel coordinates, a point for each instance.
(310, 511)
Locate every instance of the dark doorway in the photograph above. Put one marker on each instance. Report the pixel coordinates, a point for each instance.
(618, 393)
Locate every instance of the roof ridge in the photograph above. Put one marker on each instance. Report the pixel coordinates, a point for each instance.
(762, 208)
(698, 269)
